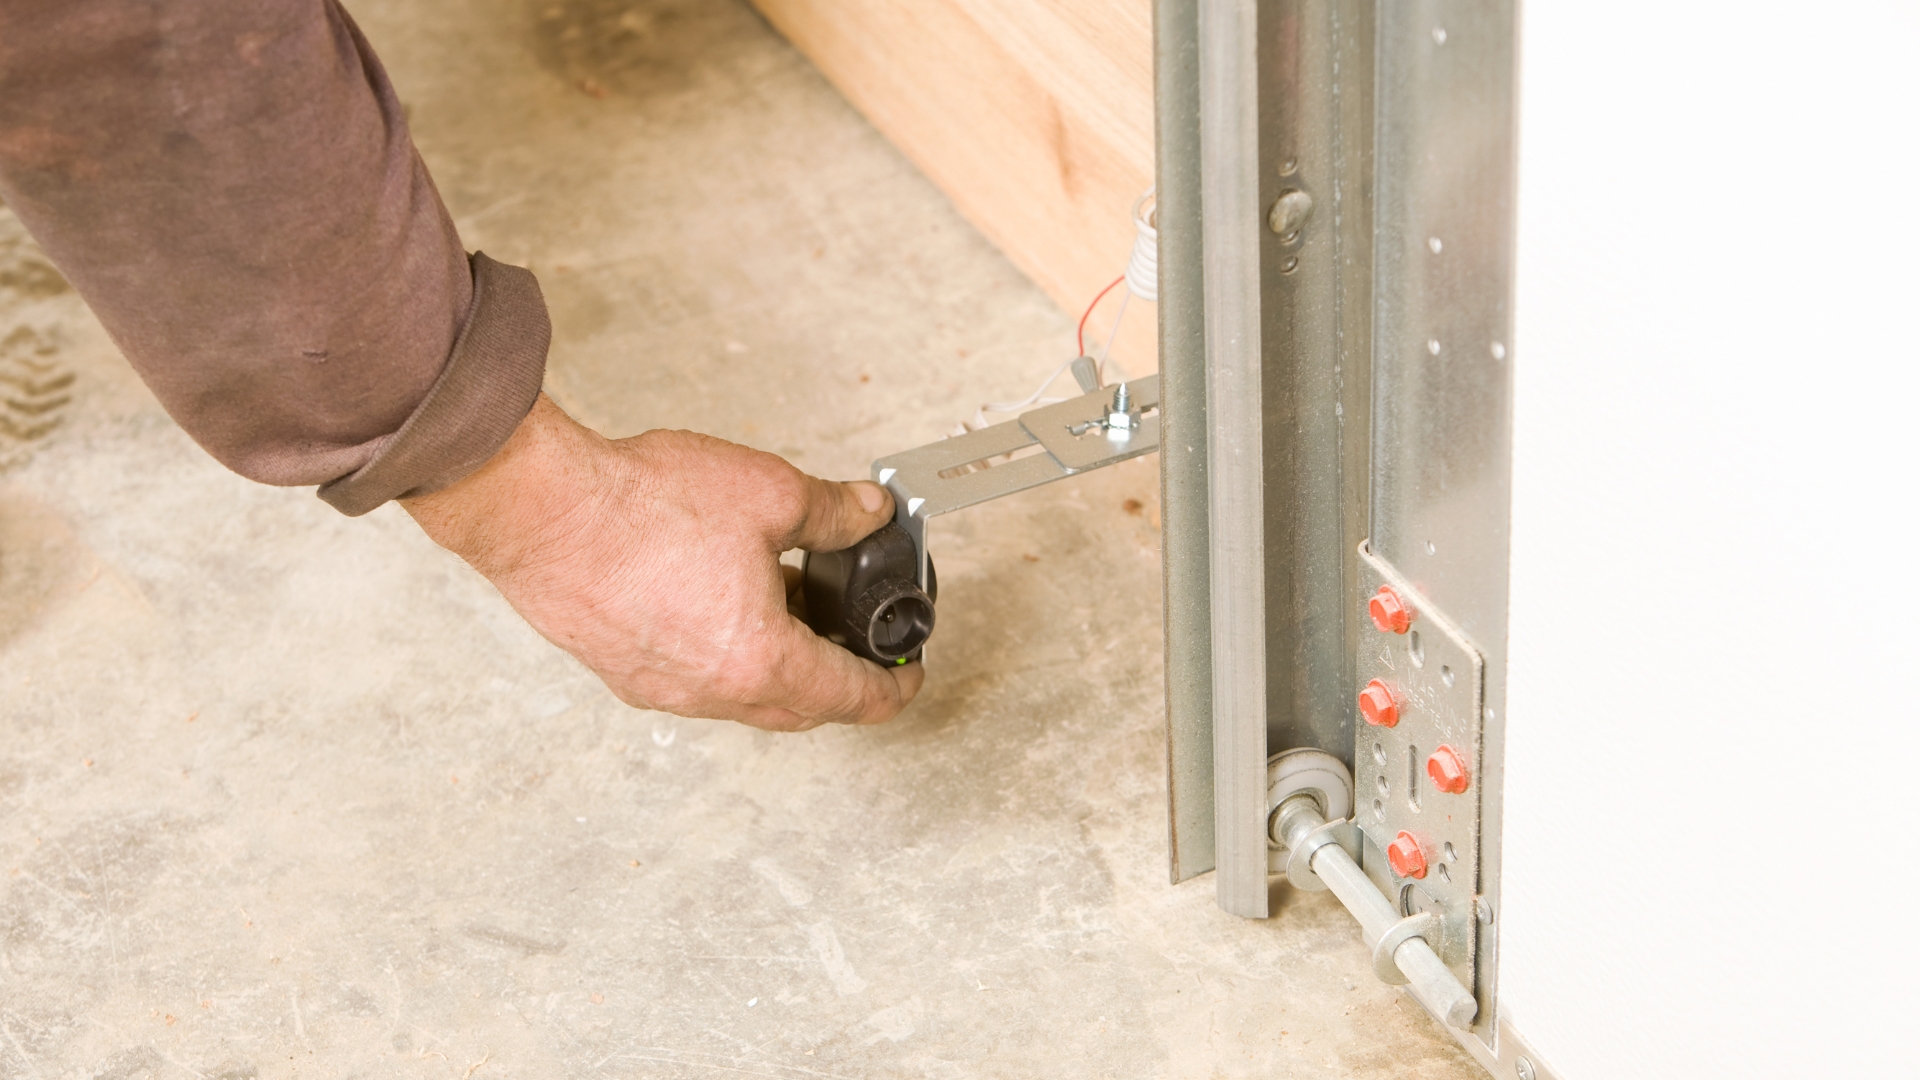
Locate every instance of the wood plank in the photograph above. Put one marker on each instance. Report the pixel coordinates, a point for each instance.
(1034, 116)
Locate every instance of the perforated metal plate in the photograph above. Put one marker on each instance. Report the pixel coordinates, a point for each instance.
(1438, 680)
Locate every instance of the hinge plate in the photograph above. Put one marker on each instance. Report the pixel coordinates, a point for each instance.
(1438, 677)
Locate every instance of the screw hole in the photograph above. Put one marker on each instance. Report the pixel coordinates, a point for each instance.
(1446, 674)
(1379, 810)
(1414, 652)
(1442, 871)
(1380, 753)
(1381, 783)
(1447, 850)
(1430, 548)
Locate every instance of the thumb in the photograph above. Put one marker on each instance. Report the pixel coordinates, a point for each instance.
(838, 515)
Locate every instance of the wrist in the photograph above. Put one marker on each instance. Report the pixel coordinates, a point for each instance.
(526, 502)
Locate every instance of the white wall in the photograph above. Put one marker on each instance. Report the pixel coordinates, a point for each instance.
(1712, 841)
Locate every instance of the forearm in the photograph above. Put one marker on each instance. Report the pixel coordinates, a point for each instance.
(230, 184)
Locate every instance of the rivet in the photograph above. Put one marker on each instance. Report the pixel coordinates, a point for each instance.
(1290, 212)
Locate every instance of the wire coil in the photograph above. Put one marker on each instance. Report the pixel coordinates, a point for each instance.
(1143, 267)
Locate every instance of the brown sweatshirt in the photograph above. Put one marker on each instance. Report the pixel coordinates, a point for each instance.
(231, 187)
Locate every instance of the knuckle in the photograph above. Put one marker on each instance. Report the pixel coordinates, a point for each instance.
(785, 498)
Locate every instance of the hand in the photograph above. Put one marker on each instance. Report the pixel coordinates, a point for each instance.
(655, 561)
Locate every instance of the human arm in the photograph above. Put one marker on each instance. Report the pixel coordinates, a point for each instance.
(231, 186)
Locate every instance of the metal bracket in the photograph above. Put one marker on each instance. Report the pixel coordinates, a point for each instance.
(1437, 678)
(1101, 428)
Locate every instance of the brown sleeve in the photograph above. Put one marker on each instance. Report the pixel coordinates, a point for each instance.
(231, 186)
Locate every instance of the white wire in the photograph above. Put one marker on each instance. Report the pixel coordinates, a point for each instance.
(1030, 399)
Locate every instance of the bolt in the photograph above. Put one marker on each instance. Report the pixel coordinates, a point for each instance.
(1120, 418)
(1388, 612)
(1378, 706)
(1289, 213)
(1405, 856)
(1448, 770)
(1523, 1069)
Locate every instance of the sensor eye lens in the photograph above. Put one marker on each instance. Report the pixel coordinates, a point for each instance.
(900, 626)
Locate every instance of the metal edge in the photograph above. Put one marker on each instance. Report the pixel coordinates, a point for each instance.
(1502, 1060)
(1184, 537)
(1236, 466)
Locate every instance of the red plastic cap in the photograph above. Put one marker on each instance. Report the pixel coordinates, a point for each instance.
(1378, 706)
(1388, 612)
(1405, 856)
(1448, 770)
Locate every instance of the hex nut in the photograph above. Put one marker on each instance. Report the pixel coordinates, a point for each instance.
(1405, 856)
(1448, 770)
(1377, 705)
(1389, 613)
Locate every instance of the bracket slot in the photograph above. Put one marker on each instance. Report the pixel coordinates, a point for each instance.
(1088, 432)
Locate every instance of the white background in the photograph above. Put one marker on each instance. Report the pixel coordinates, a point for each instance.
(1711, 826)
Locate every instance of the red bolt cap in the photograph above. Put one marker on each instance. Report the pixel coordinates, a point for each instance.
(1405, 856)
(1388, 612)
(1378, 706)
(1448, 770)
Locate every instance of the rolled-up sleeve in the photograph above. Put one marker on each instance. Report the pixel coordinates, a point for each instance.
(231, 186)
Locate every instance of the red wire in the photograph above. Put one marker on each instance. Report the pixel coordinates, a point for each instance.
(1080, 336)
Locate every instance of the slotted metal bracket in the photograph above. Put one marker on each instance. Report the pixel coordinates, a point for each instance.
(1045, 444)
(1438, 679)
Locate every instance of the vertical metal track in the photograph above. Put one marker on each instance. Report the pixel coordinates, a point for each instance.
(1316, 81)
(1442, 419)
(1285, 153)
(1236, 462)
(1183, 441)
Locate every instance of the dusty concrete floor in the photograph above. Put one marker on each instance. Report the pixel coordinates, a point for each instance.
(284, 794)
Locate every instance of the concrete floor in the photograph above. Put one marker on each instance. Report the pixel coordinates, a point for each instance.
(285, 794)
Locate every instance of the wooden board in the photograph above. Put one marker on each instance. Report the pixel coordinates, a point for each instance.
(1034, 116)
